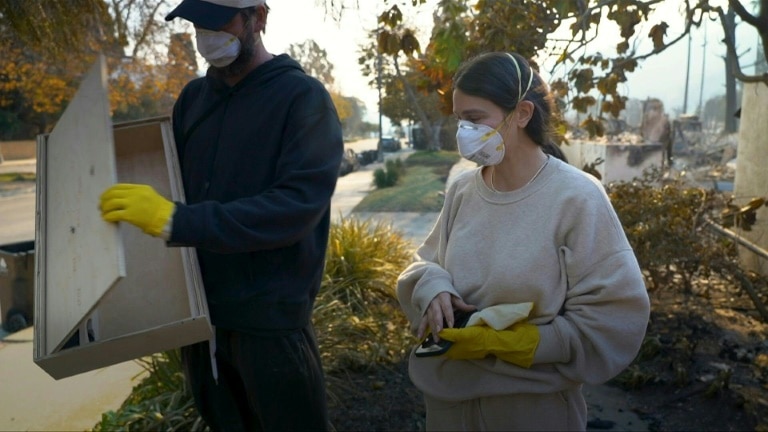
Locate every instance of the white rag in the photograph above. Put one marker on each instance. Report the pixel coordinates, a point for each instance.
(501, 316)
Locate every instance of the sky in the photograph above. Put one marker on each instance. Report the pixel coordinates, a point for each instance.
(295, 21)
(661, 76)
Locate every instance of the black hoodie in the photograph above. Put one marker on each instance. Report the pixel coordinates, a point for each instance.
(259, 171)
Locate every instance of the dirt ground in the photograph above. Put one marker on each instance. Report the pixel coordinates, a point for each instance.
(707, 361)
(704, 367)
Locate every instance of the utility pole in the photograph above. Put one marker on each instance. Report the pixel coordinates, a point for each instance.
(731, 122)
(700, 111)
(687, 75)
(379, 152)
(761, 62)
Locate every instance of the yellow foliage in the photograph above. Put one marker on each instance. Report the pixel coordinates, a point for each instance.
(42, 83)
(343, 106)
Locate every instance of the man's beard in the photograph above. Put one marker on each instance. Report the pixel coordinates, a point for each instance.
(243, 60)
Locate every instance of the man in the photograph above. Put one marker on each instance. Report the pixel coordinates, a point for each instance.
(259, 145)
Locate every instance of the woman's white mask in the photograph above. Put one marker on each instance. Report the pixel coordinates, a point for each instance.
(480, 143)
(219, 48)
(483, 144)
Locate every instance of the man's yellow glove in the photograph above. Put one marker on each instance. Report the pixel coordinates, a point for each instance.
(136, 204)
(515, 345)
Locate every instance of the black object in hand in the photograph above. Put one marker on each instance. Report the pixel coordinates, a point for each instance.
(429, 347)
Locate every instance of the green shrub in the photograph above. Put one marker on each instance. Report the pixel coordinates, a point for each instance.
(358, 319)
(17, 177)
(390, 174)
(159, 402)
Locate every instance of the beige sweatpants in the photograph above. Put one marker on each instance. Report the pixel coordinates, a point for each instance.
(562, 411)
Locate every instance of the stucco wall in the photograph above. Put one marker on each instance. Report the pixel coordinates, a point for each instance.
(621, 162)
(15, 150)
(752, 168)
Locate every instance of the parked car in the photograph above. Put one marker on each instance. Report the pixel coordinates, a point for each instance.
(366, 157)
(389, 144)
(349, 162)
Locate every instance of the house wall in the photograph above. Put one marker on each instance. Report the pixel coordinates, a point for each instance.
(751, 179)
(620, 161)
(15, 150)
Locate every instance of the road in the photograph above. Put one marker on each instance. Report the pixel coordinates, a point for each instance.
(17, 212)
(17, 218)
(362, 145)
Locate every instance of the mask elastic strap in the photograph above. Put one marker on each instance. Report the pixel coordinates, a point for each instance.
(497, 129)
(520, 92)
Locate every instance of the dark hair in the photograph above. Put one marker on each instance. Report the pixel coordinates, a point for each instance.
(247, 13)
(250, 11)
(493, 76)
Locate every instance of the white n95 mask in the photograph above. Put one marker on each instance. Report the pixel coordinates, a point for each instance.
(217, 47)
(479, 143)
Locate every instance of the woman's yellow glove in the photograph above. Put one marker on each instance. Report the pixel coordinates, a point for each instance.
(136, 204)
(515, 345)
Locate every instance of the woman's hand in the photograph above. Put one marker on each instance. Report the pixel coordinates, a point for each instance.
(440, 310)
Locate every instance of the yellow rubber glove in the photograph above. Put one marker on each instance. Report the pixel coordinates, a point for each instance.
(515, 345)
(136, 204)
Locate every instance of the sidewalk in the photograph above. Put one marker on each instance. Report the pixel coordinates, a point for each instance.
(18, 165)
(31, 400)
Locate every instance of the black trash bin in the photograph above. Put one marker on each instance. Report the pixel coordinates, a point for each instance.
(17, 276)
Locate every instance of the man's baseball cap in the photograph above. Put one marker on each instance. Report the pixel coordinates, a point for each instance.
(210, 14)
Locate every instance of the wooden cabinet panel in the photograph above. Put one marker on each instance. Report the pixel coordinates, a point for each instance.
(84, 252)
(156, 301)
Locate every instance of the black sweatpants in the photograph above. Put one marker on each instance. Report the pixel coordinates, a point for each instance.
(267, 382)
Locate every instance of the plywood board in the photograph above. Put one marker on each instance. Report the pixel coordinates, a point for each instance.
(84, 255)
(107, 352)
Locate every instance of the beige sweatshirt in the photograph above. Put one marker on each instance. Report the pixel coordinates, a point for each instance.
(556, 242)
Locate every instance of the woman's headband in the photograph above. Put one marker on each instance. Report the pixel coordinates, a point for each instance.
(520, 92)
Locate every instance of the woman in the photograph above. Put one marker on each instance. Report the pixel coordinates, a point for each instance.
(523, 228)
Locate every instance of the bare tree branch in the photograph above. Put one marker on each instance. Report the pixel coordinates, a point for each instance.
(147, 29)
(730, 44)
(742, 12)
